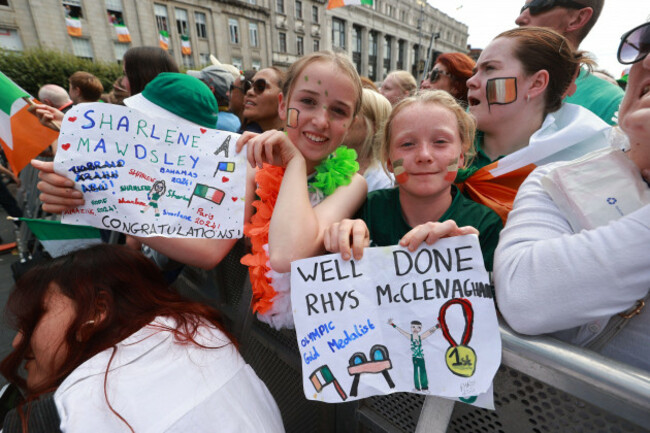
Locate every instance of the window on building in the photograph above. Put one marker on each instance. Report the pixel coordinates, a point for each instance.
(182, 23)
(252, 34)
(188, 61)
(237, 63)
(161, 17)
(390, 10)
(115, 11)
(82, 48)
(316, 45)
(300, 46)
(356, 47)
(72, 8)
(120, 49)
(372, 56)
(201, 25)
(402, 16)
(282, 36)
(252, 2)
(279, 6)
(401, 54)
(338, 33)
(387, 54)
(257, 65)
(233, 26)
(10, 40)
(314, 14)
(204, 58)
(4, 2)
(298, 9)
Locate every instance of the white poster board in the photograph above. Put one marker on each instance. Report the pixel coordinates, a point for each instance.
(397, 321)
(149, 176)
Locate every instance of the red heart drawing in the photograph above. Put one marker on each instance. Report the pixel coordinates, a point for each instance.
(224, 179)
(234, 198)
(65, 146)
(203, 130)
(72, 118)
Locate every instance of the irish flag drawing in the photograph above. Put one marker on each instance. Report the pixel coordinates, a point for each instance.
(21, 135)
(59, 239)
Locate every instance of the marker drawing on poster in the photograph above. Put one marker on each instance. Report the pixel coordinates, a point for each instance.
(397, 321)
(148, 176)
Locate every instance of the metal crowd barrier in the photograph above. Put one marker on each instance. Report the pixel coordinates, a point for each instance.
(543, 385)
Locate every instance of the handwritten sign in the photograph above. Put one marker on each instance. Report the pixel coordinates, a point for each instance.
(148, 176)
(397, 321)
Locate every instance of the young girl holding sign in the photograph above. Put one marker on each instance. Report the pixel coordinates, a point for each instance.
(425, 141)
(301, 183)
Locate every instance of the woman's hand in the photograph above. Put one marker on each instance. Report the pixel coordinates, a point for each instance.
(347, 236)
(57, 192)
(271, 147)
(48, 116)
(432, 231)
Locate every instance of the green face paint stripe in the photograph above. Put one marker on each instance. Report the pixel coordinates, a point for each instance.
(306, 78)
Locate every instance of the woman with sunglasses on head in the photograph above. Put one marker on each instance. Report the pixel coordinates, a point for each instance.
(261, 101)
(586, 285)
(108, 347)
(516, 97)
(450, 73)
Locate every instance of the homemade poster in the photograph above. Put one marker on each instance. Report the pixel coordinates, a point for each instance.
(149, 176)
(397, 321)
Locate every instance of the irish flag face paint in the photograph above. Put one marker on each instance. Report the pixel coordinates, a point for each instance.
(501, 91)
(401, 176)
(452, 170)
(292, 117)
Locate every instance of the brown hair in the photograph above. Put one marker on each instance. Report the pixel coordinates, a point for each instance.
(404, 80)
(465, 122)
(338, 59)
(539, 48)
(89, 86)
(460, 66)
(143, 64)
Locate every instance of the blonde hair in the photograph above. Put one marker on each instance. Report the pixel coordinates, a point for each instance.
(465, 122)
(338, 59)
(404, 80)
(375, 109)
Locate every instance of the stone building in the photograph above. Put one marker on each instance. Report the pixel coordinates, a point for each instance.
(390, 34)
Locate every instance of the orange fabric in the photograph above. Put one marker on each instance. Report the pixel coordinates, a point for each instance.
(497, 193)
(335, 4)
(29, 137)
(268, 179)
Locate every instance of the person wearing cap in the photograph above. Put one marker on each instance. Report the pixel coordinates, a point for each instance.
(173, 96)
(218, 79)
(574, 20)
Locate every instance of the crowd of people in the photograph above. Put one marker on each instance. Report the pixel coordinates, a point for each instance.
(467, 151)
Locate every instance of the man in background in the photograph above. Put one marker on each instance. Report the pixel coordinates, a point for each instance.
(55, 96)
(218, 79)
(84, 87)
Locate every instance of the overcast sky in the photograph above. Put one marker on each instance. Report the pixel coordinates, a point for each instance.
(486, 19)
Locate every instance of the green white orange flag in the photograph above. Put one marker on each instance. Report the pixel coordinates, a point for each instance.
(59, 239)
(123, 34)
(21, 135)
(163, 40)
(74, 26)
(331, 4)
(186, 48)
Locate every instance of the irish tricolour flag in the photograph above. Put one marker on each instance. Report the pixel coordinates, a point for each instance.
(74, 26)
(163, 40)
(123, 34)
(186, 48)
(59, 239)
(331, 4)
(21, 135)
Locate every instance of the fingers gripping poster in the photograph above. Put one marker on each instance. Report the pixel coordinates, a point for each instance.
(397, 321)
(149, 176)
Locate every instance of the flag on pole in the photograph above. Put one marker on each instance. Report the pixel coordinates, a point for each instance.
(186, 48)
(207, 192)
(21, 135)
(123, 34)
(74, 26)
(163, 40)
(59, 239)
(331, 4)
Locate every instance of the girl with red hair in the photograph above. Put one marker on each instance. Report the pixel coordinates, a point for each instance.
(107, 346)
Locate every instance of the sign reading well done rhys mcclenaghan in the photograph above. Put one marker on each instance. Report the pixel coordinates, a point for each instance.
(397, 321)
(148, 176)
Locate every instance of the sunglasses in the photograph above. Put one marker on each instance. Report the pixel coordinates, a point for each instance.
(437, 73)
(244, 89)
(260, 85)
(635, 45)
(536, 7)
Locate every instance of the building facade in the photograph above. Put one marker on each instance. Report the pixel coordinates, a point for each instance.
(389, 35)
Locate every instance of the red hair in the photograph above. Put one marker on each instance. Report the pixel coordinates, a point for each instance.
(460, 66)
(122, 284)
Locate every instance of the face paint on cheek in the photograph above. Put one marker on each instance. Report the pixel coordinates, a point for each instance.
(292, 117)
(326, 94)
(401, 176)
(306, 78)
(452, 170)
(319, 82)
(501, 91)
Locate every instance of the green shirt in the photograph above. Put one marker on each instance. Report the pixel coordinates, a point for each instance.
(479, 161)
(598, 96)
(382, 213)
